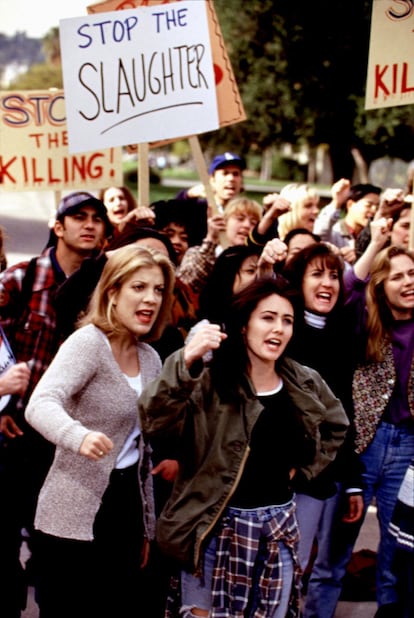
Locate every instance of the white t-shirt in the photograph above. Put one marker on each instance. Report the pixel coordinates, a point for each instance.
(129, 453)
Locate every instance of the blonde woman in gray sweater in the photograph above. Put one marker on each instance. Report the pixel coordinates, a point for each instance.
(95, 514)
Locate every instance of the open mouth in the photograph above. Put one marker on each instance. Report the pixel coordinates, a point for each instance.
(145, 316)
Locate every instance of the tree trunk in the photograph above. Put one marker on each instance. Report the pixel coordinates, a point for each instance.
(266, 167)
(361, 166)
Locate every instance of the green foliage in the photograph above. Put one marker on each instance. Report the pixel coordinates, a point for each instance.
(181, 149)
(19, 50)
(39, 76)
(386, 131)
(161, 192)
(41, 56)
(301, 71)
(51, 47)
(287, 168)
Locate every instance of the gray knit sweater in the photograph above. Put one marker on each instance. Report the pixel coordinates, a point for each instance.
(84, 390)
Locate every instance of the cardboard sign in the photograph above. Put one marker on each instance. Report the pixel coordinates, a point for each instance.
(390, 78)
(229, 103)
(34, 153)
(138, 75)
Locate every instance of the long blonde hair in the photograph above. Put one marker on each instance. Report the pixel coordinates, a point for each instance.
(379, 318)
(120, 266)
(297, 194)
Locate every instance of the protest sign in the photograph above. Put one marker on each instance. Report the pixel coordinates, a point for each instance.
(390, 78)
(229, 103)
(34, 151)
(138, 75)
(391, 66)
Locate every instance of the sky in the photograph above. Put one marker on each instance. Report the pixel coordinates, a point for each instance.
(37, 17)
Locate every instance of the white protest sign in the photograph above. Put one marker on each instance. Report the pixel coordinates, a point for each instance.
(138, 75)
(229, 103)
(390, 79)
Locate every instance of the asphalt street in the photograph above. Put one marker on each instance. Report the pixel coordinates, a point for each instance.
(24, 218)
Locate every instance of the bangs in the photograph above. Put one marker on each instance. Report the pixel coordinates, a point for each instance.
(327, 262)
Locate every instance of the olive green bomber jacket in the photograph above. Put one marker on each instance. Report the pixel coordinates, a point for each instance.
(215, 439)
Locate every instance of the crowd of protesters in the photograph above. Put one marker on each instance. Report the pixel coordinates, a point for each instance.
(204, 400)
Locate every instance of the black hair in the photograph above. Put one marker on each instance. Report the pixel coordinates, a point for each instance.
(231, 362)
(189, 213)
(217, 294)
(300, 231)
(358, 191)
(133, 232)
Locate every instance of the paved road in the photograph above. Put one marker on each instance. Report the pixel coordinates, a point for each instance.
(24, 218)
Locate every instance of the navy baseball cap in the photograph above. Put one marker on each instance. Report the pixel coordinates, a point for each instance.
(228, 158)
(72, 203)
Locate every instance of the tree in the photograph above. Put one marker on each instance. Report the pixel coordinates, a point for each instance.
(39, 76)
(51, 47)
(18, 51)
(301, 69)
(47, 74)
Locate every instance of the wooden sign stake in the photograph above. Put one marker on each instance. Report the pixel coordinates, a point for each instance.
(143, 175)
(205, 179)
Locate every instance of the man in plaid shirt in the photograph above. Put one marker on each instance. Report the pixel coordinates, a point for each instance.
(31, 323)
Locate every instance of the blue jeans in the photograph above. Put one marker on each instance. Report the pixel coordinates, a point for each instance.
(315, 602)
(309, 512)
(386, 460)
(196, 591)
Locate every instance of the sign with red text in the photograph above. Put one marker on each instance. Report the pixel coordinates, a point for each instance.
(390, 78)
(138, 75)
(229, 103)
(34, 152)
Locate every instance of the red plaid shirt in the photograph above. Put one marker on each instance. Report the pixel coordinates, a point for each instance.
(31, 329)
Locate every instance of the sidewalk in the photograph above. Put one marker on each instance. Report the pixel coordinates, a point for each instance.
(368, 539)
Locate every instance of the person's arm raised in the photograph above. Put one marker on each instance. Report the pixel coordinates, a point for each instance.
(380, 234)
(208, 337)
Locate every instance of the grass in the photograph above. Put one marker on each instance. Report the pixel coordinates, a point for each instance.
(161, 192)
(158, 191)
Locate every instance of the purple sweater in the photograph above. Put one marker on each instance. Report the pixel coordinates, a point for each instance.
(397, 410)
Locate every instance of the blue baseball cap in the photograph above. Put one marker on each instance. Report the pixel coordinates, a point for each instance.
(73, 202)
(228, 158)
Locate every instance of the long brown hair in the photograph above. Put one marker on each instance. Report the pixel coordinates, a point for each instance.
(380, 319)
(127, 193)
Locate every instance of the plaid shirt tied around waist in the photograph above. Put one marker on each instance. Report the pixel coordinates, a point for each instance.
(247, 538)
